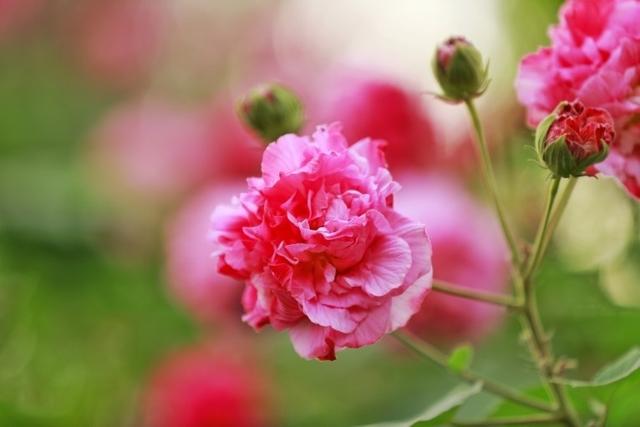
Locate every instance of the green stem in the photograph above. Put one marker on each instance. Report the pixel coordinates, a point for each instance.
(557, 213)
(431, 353)
(541, 348)
(523, 420)
(468, 293)
(544, 356)
(490, 182)
(537, 252)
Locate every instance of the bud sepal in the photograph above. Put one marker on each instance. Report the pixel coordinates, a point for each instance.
(272, 111)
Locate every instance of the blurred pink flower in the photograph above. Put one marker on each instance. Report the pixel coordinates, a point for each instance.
(374, 107)
(320, 247)
(594, 58)
(238, 151)
(16, 14)
(468, 250)
(192, 274)
(201, 386)
(118, 41)
(153, 151)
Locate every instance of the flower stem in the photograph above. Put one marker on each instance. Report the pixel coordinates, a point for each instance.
(542, 353)
(490, 182)
(468, 293)
(557, 213)
(541, 236)
(431, 353)
(523, 420)
(532, 323)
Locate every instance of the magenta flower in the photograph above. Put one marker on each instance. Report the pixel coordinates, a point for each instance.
(594, 58)
(468, 250)
(210, 296)
(376, 107)
(16, 15)
(205, 386)
(237, 150)
(320, 247)
(153, 151)
(117, 41)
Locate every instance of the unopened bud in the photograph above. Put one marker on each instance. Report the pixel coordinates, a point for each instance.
(272, 111)
(459, 69)
(573, 137)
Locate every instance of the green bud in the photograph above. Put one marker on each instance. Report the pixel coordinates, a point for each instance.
(272, 111)
(459, 69)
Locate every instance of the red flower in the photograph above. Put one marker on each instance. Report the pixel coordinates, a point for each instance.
(202, 387)
(373, 107)
(586, 130)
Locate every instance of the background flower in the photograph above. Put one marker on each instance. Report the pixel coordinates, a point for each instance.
(16, 15)
(468, 250)
(594, 57)
(118, 41)
(158, 149)
(206, 386)
(370, 106)
(193, 279)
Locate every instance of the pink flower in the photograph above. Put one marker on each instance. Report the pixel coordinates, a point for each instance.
(203, 386)
(153, 151)
(192, 275)
(380, 108)
(319, 246)
(17, 14)
(468, 250)
(238, 151)
(119, 40)
(594, 58)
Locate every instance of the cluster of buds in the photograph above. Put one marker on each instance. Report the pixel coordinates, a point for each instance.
(573, 138)
(272, 111)
(567, 142)
(459, 69)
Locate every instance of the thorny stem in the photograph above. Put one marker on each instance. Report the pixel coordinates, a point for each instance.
(468, 293)
(431, 353)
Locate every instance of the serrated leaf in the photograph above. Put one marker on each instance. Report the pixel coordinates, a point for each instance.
(615, 371)
(440, 412)
(460, 358)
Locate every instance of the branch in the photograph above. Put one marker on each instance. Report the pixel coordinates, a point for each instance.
(464, 292)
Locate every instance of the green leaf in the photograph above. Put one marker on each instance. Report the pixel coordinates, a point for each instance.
(507, 408)
(439, 412)
(616, 371)
(460, 358)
